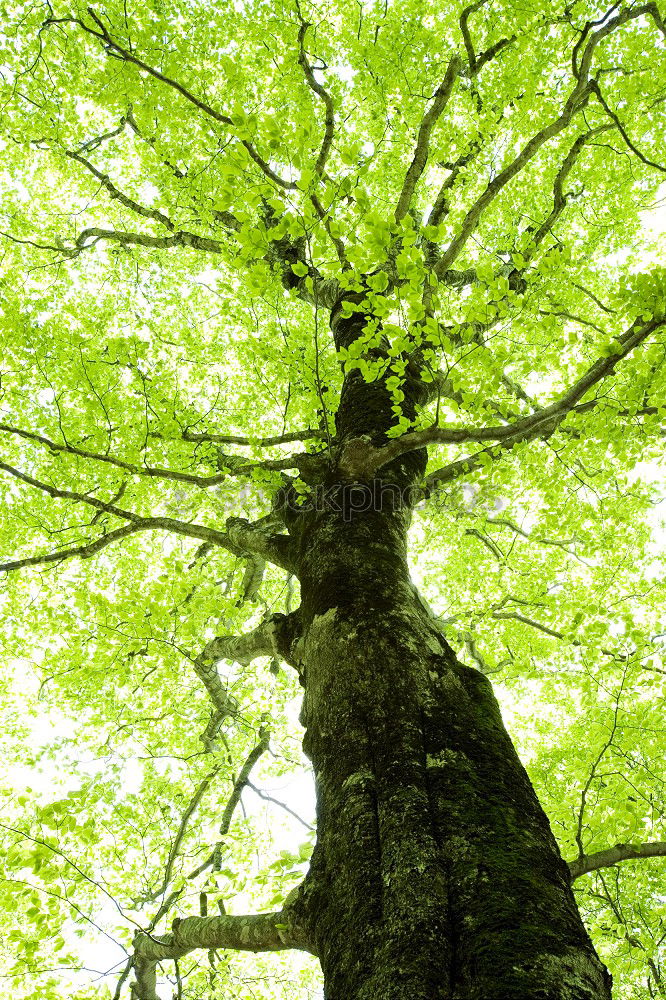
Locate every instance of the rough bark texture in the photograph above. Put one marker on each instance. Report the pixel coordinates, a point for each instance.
(435, 874)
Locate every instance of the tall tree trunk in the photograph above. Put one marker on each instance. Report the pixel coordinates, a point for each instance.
(435, 874)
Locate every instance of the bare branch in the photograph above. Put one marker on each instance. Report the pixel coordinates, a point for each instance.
(258, 538)
(488, 542)
(215, 857)
(591, 295)
(242, 649)
(562, 543)
(282, 805)
(181, 238)
(440, 206)
(417, 166)
(529, 621)
(563, 314)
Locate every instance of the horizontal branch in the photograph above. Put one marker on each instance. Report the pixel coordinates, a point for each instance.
(561, 543)
(266, 442)
(241, 536)
(612, 855)
(241, 649)
(258, 537)
(182, 238)
(258, 932)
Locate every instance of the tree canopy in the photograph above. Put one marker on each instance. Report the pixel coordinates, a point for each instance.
(186, 192)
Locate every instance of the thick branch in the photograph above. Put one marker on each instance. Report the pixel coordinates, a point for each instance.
(464, 28)
(243, 649)
(258, 537)
(136, 470)
(181, 238)
(259, 932)
(612, 855)
(440, 206)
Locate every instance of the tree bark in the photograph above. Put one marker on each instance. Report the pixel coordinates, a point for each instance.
(435, 873)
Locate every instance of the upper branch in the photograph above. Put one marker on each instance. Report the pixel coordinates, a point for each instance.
(560, 197)
(575, 103)
(116, 49)
(464, 28)
(621, 129)
(322, 93)
(117, 195)
(417, 166)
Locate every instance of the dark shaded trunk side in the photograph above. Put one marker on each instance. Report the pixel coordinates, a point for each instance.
(435, 873)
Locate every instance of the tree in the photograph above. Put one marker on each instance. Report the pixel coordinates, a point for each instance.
(285, 282)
